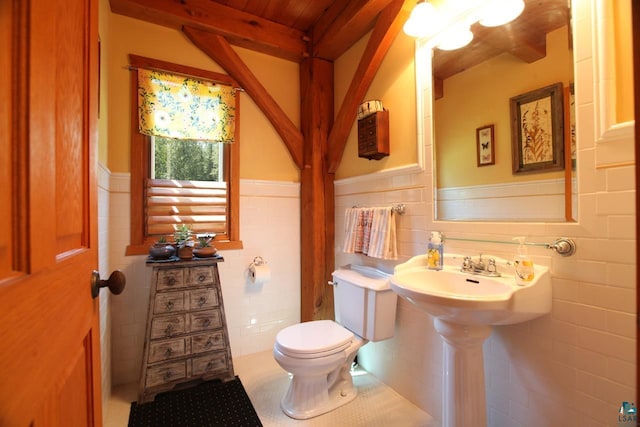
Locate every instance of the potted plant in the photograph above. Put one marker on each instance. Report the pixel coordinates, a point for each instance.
(184, 241)
(204, 249)
(161, 249)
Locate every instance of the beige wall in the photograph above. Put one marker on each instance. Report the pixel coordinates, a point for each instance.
(480, 96)
(262, 153)
(394, 85)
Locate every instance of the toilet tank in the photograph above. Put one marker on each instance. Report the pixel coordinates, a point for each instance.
(364, 302)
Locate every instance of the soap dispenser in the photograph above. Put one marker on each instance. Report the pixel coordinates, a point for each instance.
(435, 251)
(523, 264)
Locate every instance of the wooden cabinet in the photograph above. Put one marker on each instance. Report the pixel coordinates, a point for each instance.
(373, 136)
(186, 338)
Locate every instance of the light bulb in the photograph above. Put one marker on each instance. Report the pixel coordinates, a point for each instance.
(500, 12)
(420, 21)
(455, 38)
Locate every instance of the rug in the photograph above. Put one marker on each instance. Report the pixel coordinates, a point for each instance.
(210, 404)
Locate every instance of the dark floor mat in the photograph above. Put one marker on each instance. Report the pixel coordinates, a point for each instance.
(212, 403)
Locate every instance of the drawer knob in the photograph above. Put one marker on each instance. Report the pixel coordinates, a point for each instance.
(171, 281)
(201, 278)
(202, 301)
(169, 305)
(167, 375)
(168, 352)
(206, 322)
(169, 330)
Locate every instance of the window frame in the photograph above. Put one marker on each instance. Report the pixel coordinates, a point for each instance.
(140, 150)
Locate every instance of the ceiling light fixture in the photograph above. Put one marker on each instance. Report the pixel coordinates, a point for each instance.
(500, 12)
(455, 38)
(448, 25)
(420, 20)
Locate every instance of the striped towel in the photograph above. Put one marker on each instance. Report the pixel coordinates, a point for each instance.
(370, 231)
(382, 243)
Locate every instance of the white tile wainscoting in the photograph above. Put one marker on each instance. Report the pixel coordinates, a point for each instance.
(539, 200)
(270, 228)
(573, 367)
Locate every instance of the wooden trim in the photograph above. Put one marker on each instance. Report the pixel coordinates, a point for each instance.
(137, 61)
(15, 136)
(387, 27)
(316, 190)
(139, 166)
(219, 49)
(240, 28)
(337, 31)
(232, 163)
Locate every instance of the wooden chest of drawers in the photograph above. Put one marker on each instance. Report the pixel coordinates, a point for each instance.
(186, 338)
(373, 136)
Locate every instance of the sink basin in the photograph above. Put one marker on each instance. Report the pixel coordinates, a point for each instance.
(464, 298)
(464, 307)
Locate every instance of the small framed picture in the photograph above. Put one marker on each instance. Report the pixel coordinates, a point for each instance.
(485, 146)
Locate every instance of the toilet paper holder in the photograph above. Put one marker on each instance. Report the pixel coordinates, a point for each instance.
(257, 261)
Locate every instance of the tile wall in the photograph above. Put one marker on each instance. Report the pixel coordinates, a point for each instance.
(575, 366)
(572, 367)
(270, 228)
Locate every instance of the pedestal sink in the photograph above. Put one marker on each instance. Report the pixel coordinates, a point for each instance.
(465, 306)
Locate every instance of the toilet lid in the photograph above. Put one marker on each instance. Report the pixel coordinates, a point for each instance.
(313, 338)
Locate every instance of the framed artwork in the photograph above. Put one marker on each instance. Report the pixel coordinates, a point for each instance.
(537, 130)
(485, 146)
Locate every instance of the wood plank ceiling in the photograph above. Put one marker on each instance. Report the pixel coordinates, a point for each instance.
(296, 29)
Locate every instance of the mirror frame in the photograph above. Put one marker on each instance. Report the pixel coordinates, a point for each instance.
(595, 90)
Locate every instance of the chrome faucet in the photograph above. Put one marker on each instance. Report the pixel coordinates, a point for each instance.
(479, 267)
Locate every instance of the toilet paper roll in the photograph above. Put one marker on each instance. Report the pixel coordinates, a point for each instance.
(259, 274)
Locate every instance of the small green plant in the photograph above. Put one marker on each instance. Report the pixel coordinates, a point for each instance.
(162, 240)
(183, 236)
(205, 240)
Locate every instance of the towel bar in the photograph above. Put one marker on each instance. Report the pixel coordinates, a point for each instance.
(398, 208)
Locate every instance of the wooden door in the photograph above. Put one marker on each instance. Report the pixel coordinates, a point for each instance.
(49, 323)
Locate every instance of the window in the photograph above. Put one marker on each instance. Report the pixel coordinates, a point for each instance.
(176, 176)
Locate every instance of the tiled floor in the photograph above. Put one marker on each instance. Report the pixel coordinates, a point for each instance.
(266, 383)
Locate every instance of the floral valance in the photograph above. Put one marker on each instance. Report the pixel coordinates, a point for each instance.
(176, 106)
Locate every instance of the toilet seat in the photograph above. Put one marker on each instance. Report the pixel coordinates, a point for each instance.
(314, 339)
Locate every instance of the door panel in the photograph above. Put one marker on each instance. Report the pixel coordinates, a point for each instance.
(5, 136)
(49, 339)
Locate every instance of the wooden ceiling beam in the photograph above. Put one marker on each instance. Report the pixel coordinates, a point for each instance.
(344, 24)
(386, 28)
(219, 49)
(239, 28)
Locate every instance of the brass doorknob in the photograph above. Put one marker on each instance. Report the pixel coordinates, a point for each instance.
(115, 283)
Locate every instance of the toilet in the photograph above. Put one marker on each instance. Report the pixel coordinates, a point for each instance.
(319, 354)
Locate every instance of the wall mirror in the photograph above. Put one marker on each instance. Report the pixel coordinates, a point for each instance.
(493, 102)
